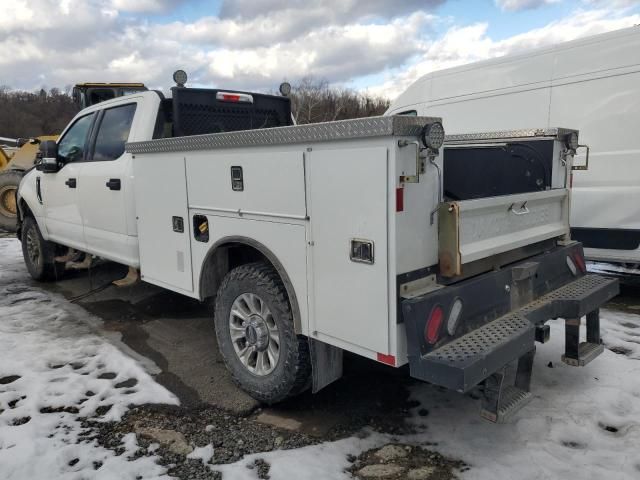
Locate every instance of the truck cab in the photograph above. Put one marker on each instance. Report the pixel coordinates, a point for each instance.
(86, 201)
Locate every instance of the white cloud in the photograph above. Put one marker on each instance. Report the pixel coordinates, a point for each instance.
(145, 5)
(517, 5)
(338, 11)
(342, 41)
(462, 45)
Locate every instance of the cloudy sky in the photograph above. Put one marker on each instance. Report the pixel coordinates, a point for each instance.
(377, 45)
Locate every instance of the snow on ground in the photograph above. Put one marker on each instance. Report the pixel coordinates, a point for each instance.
(326, 461)
(582, 422)
(54, 369)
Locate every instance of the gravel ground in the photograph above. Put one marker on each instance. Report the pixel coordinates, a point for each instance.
(407, 461)
(234, 436)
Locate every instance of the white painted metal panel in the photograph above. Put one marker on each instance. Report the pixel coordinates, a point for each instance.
(348, 199)
(105, 211)
(62, 207)
(493, 225)
(286, 241)
(523, 72)
(161, 193)
(273, 181)
(607, 195)
(416, 238)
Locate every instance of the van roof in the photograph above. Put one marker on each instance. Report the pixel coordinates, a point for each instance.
(635, 30)
(450, 82)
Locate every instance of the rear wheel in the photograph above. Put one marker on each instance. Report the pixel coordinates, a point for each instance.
(9, 181)
(256, 336)
(39, 254)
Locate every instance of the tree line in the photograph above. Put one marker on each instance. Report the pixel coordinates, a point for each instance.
(30, 114)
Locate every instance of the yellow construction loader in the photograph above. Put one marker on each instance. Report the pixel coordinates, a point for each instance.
(18, 155)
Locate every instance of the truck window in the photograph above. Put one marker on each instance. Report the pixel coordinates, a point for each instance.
(71, 146)
(409, 113)
(113, 132)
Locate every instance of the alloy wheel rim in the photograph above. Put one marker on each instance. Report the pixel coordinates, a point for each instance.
(8, 201)
(254, 334)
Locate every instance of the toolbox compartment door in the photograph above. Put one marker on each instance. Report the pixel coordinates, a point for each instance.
(347, 192)
(163, 221)
(472, 230)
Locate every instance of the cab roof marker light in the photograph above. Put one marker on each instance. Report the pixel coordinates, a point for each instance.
(234, 97)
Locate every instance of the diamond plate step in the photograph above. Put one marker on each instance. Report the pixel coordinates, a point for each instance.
(468, 360)
(586, 353)
(512, 399)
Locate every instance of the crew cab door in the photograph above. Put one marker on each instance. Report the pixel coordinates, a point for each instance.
(59, 191)
(105, 189)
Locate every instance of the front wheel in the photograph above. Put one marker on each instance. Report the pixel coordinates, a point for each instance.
(256, 336)
(39, 254)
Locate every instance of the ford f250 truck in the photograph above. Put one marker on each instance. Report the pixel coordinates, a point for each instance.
(363, 235)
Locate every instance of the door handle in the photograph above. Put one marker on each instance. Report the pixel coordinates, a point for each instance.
(113, 184)
(38, 190)
(71, 183)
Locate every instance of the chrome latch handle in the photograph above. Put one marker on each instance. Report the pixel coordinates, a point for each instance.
(523, 210)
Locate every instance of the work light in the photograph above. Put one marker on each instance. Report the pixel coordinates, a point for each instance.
(432, 135)
(285, 89)
(572, 141)
(180, 77)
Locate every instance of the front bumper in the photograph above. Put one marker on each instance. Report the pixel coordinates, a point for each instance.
(506, 311)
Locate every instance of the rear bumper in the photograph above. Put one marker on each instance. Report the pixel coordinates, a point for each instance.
(504, 312)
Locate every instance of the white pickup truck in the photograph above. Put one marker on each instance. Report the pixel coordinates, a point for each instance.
(362, 235)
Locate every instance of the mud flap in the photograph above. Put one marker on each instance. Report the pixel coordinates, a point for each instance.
(326, 364)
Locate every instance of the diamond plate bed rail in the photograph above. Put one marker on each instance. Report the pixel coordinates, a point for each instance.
(503, 135)
(396, 125)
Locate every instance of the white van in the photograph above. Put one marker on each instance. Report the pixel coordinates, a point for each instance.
(591, 84)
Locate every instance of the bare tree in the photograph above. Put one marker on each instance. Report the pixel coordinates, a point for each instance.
(27, 114)
(314, 101)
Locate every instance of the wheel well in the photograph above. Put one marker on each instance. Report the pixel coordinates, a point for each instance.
(228, 254)
(23, 212)
(24, 208)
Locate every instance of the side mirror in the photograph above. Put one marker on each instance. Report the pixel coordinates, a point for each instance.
(48, 157)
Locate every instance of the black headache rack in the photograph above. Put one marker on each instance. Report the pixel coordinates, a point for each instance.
(503, 314)
(197, 111)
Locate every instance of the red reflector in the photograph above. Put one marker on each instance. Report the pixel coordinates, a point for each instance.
(579, 259)
(432, 328)
(388, 359)
(231, 98)
(399, 199)
(571, 180)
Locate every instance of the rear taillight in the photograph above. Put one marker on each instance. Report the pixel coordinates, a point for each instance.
(434, 322)
(578, 258)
